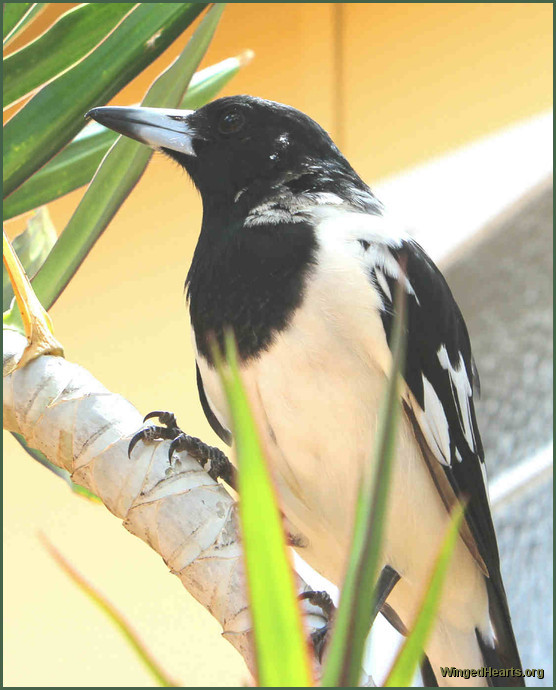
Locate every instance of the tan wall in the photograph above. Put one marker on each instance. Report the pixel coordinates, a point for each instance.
(397, 83)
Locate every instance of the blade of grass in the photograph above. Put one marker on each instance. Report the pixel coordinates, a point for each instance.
(357, 600)
(411, 654)
(280, 644)
(76, 164)
(12, 15)
(206, 84)
(55, 114)
(113, 614)
(119, 172)
(32, 247)
(31, 12)
(66, 42)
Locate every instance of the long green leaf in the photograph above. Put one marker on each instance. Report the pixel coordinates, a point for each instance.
(411, 653)
(16, 17)
(357, 602)
(119, 172)
(13, 14)
(68, 40)
(73, 167)
(280, 644)
(55, 114)
(76, 164)
(32, 247)
(122, 625)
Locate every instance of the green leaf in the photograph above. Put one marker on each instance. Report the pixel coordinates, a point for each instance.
(76, 164)
(16, 17)
(357, 601)
(32, 247)
(121, 624)
(207, 83)
(411, 653)
(280, 645)
(13, 13)
(119, 172)
(55, 114)
(58, 471)
(73, 167)
(66, 42)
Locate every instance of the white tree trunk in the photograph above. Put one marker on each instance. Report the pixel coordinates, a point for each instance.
(179, 511)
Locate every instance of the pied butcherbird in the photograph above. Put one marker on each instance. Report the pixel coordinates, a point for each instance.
(298, 258)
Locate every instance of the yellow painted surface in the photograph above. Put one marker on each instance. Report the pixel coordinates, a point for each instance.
(418, 80)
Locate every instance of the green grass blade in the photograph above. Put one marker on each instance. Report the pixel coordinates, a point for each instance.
(411, 653)
(30, 14)
(66, 42)
(280, 644)
(14, 15)
(207, 83)
(76, 164)
(357, 601)
(70, 169)
(119, 173)
(154, 668)
(32, 247)
(55, 114)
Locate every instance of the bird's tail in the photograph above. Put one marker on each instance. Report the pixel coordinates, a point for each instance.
(454, 654)
(501, 654)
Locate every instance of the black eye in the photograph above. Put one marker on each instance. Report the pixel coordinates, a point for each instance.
(231, 122)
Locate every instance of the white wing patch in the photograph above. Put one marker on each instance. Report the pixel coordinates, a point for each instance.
(434, 424)
(462, 392)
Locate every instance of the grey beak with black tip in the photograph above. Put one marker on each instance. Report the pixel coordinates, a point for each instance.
(156, 127)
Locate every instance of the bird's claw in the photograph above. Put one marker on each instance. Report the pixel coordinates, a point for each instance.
(166, 418)
(319, 637)
(211, 459)
(149, 434)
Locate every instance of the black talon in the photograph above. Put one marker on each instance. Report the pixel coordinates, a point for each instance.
(319, 637)
(150, 433)
(166, 418)
(218, 463)
(321, 599)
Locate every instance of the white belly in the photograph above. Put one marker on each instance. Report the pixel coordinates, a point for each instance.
(316, 395)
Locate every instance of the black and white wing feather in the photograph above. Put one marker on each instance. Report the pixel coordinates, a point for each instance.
(441, 376)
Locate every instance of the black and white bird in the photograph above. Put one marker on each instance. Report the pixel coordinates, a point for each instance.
(297, 256)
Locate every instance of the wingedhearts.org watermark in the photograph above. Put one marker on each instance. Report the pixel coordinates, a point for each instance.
(488, 672)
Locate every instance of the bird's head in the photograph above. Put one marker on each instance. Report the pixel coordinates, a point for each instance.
(236, 144)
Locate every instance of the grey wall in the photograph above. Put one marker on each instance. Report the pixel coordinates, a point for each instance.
(503, 284)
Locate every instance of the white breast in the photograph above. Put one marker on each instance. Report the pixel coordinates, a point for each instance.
(316, 393)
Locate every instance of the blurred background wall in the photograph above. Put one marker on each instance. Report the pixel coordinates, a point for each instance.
(397, 85)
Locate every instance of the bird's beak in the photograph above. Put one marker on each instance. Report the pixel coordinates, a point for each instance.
(156, 127)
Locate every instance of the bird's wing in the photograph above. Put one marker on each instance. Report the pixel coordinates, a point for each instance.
(441, 377)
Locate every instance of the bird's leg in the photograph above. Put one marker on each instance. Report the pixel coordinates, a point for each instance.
(385, 584)
(212, 459)
(323, 601)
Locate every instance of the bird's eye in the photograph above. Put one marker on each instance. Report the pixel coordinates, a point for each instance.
(231, 122)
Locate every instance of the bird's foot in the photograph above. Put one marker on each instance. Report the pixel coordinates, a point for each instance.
(319, 638)
(212, 459)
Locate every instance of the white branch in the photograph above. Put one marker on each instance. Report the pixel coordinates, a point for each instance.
(180, 512)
